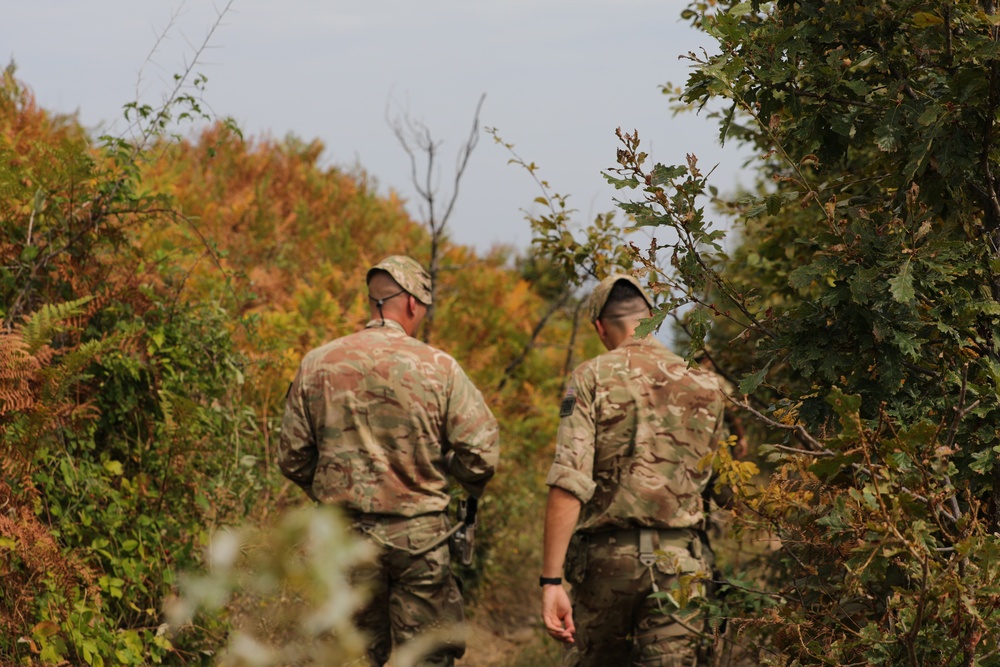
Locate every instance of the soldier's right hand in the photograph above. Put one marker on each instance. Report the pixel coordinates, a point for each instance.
(557, 613)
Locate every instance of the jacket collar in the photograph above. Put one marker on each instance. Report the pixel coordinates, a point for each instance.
(388, 324)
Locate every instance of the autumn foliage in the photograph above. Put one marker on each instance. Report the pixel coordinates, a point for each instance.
(157, 298)
(157, 294)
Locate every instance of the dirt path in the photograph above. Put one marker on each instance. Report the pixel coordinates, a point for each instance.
(505, 630)
(488, 647)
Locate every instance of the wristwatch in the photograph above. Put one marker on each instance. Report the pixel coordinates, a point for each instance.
(549, 581)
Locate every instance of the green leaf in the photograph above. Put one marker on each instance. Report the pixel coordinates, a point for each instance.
(842, 123)
(829, 467)
(982, 462)
(836, 518)
(860, 88)
(804, 276)
(650, 324)
(987, 307)
(29, 253)
(908, 343)
(930, 115)
(887, 143)
(664, 175)
(755, 207)
(158, 338)
(847, 406)
(202, 502)
(773, 205)
(749, 383)
(620, 183)
(699, 322)
(742, 9)
(927, 20)
(901, 285)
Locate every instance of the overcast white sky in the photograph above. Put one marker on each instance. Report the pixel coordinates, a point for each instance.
(559, 77)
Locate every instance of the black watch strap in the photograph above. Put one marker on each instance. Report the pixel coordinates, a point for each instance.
(546, 581)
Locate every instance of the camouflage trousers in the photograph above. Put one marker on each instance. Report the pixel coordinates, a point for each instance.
(412, 597)
(617, 622)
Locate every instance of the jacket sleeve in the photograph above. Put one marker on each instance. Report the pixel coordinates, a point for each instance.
(573, 467)
(297, 450)
(472, 436)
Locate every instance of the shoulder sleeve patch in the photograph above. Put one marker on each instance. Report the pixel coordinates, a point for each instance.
(568, 403)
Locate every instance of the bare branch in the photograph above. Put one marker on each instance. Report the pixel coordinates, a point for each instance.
(796, 450)
(960, 410)
(418, 142)
(180, 80)
(463, 159)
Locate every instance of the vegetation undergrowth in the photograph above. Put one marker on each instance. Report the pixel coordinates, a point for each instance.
(157, 294)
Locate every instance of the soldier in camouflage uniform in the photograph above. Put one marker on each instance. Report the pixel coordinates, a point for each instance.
(625, 517)
(374, 423)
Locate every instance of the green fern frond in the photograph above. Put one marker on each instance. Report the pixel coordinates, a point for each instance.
(71, 369)
(167, 401)
(39, 328)
(81, 357)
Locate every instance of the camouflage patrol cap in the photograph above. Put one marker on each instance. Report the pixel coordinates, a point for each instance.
(410, 275)
(599, 297)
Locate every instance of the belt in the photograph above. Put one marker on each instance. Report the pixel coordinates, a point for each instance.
(649, 540)
(365, 518)
(632, 537)
(366, 524)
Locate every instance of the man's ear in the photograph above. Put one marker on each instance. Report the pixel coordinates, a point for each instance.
(610, 337)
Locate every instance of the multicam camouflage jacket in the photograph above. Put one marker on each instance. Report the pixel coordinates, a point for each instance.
(370, 420)
(634, 424)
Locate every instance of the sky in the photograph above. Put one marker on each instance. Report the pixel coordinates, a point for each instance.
(559, 77)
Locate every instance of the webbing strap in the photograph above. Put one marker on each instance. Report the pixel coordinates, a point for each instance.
(647, 556)
(647, 550)
(367, 529)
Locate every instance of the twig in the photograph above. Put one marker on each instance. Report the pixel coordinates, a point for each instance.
(798, 429)
(953, 428)
(795, 450)
(513, 365)
(31, 224)
(463, 158)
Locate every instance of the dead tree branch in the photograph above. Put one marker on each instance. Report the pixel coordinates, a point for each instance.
(422, 150)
